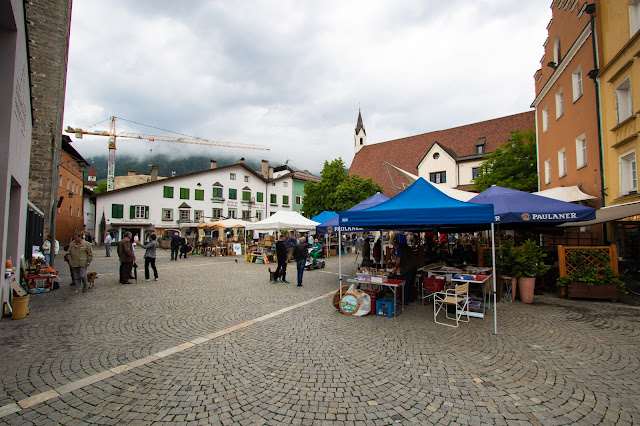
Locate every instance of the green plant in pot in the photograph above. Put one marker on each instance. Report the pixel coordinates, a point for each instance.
(505, 261)
(590, 267)
(529, 264)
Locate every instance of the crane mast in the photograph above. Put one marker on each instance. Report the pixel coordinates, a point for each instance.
(111, 168)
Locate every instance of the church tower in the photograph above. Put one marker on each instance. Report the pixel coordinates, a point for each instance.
(360, 135)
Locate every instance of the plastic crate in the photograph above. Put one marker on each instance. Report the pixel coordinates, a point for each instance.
(385, 307)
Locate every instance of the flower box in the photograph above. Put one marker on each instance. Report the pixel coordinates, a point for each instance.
(610, 291)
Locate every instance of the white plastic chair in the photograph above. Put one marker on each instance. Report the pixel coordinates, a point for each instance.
(458, 298)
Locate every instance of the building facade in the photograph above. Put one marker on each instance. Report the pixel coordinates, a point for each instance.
(449, 157)
(569, 145)
(15, 136)
(619, 80)
(69, 214)
(181, 203)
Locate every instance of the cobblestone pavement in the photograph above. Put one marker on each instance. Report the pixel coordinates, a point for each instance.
(213, 342)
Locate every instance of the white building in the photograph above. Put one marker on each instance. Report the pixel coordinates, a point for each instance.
(180, 203)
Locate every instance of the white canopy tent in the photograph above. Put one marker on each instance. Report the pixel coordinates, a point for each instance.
(283, 220)
(565, 193)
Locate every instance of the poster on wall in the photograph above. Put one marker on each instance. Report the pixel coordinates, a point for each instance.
(237, 249)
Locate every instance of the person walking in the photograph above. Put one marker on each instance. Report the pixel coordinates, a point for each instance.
(80, 256)
(150, 257)
(175, 245)
(281, 255)
(127, 257)
(107, 244)
(300, 256)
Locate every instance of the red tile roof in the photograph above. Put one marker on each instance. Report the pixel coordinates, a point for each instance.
(406, 153)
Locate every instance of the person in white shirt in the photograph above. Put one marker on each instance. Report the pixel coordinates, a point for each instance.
(107, 244)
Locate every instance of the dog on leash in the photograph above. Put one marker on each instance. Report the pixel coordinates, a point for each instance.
(91, 278)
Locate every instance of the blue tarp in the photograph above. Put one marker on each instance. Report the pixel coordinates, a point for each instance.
(420, 206)
(332, 223)
(324, 216)
(513, 206)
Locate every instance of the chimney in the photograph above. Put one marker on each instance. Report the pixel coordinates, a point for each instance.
(154, 173)
(214, 164)
(265, 169)
(241, 161)
(270, 173)
(131, 173)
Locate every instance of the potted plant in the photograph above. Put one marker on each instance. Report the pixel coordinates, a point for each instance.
(505, 262)
(529, 264)
(593, 276)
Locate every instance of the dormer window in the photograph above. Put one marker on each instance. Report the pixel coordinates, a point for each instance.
(480, 145)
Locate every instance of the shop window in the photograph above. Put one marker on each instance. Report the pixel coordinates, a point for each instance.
(117, 211)
(167, 191)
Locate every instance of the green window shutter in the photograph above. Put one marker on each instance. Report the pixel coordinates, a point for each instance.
(232, 194)
(199, 194)
(117, 211)
(167, 192)
(246, 196)
(285, 200)
(217, 192)
(146, 212)
(274, 199)
(184, 193)
(132, 212)
(259, 197)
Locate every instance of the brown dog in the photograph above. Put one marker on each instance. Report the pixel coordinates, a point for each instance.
(91, 278)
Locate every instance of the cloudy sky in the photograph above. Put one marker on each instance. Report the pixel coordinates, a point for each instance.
(291, 75)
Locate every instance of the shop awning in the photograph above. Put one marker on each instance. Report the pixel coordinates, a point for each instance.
(611, 213)
(565, 193)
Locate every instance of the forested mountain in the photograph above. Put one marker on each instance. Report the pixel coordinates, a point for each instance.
(166, 165)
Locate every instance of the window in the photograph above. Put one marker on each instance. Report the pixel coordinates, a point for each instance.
(246, 195)
(545, 119)
(581, 151)
(232, 176)
(259, 196)
(559, 106)
(274, 199)
(139, 212)
(628, 173)
(73, 187)
(547, 171)
(216, 213)
(285, 200)
(199, 194)
(298, 199)
(78, 212)
(167, 214)
(562, 163)
(285, 184)
(557, 51)
(60, 181)
(624, 105)
(576, 78)
(217, 192)
(474, 173)
(197, 215)
(185, 215)
(634, 17)
(273, 184)
(479, 149)
(259, 215)
(233, 194)
(184, 193)
(246, 214)
(117, 211)
(232, 214)
(438, 177)
(70, 211)
(246, 178)
(68, 184)
(167, 191)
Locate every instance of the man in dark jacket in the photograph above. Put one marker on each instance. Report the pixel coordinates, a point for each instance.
(300, 256)
(125, 253)
(175, 245)
(281, 255)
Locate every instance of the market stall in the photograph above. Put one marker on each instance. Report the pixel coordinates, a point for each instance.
(423, 207)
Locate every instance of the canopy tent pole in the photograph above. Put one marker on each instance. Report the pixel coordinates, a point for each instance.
(493, 256)
(340, 259)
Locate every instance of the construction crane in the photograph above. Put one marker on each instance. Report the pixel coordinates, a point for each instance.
(111, 169)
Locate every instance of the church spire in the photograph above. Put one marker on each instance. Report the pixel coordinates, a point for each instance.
(360, 135)
(359, 125)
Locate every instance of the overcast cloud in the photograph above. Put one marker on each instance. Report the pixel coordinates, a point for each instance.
(292, 74)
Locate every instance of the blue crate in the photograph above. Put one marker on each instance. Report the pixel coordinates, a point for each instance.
(385, 307)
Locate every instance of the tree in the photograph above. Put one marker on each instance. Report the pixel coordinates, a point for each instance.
(336, 191)
(512, 165)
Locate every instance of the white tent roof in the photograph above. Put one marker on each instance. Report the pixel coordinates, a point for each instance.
(451, 192)
(226, 223)
(283, 220)
(565, 193)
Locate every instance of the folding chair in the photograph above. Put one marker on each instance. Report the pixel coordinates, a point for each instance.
(458, 298)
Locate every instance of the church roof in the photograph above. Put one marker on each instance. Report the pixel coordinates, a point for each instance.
(92, 171)
(407, 153)
(359, 125)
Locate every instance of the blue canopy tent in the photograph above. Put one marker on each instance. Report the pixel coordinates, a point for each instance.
(324, 216)
(422, 206)
(517, 207)
(332, 223)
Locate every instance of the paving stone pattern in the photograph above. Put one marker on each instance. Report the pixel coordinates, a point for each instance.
(200, 347)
